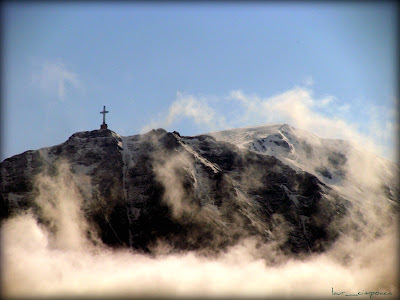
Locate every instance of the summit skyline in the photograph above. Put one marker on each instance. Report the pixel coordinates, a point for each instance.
(197, 68)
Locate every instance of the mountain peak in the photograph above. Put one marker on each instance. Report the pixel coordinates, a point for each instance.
(160, 186)
(161, 192)
(286, 127)
(93, 134)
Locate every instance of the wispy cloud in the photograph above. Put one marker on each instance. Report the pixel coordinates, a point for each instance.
(325, 116)
(297, 107)
(383, 125)
(54, 79)
(344, 108)
(301, 109)
(190, 107)
(308, 81)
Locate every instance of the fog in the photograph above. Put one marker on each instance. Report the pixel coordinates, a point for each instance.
(55, 257)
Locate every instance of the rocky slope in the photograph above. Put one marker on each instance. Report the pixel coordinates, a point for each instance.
(334, 162)
(205, 192)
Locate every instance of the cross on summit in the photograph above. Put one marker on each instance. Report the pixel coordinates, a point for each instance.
(104, 112)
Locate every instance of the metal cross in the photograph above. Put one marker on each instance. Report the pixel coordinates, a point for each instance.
(104, 112)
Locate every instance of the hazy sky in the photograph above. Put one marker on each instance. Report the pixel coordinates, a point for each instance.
(196, 68)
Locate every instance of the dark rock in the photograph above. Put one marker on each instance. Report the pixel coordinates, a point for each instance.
(324, 172)
(231, 193)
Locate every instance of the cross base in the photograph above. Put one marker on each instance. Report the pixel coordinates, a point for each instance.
(103, 126)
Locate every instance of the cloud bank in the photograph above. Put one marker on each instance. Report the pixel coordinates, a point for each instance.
(54, 257)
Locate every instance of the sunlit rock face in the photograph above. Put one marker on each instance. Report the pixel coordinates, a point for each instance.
(279, 185)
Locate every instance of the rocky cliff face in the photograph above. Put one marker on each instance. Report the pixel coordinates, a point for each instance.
(190, 193)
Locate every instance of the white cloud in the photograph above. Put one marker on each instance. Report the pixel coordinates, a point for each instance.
(326, 101)
(190, 107)
(299, 108)
(308, 81)
(344, 108)
(53, 78)
(383, 126)
(59, 260)
(325, 117)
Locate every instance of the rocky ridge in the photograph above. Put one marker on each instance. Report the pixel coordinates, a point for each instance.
(190, 193)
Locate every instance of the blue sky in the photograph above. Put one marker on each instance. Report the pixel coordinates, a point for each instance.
(196, 68)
